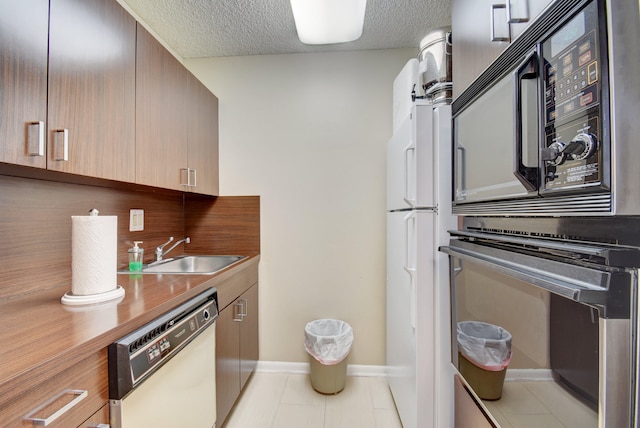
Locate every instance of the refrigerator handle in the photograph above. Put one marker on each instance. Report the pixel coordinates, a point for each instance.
(409, 178)
(410, 262)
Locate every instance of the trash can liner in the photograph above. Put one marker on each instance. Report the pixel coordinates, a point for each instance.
(486, 345)
(328, 341)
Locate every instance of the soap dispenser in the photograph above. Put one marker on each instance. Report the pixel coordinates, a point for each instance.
(136, 257)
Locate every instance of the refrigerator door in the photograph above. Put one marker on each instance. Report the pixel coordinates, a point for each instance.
(410, 162)
(411, 315)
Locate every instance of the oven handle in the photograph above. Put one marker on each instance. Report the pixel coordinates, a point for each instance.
(609, 292)
(528, 69)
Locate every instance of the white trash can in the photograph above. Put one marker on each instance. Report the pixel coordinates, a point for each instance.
(328, 343)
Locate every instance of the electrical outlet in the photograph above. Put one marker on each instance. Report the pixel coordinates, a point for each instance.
(136, 220)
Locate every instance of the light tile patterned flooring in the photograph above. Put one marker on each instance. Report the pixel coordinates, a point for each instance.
(540, 404)
(280, 400)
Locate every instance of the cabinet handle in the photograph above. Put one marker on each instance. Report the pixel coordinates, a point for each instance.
(188, 177)
(194, 173)
(517, 11)
(35, 138)
(243, 307)
(184, 176)
(237, 312)
(61, 155)
(500, 31)
(79, 396)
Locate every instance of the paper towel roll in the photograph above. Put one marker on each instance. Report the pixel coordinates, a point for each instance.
(94, 254)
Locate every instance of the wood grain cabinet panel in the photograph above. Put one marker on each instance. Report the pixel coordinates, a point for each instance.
(236, 349)
(161, 126)
(23, 81)
(203, 137)
(92, 89)
(472, 29)
(42, 398)
(176, 123)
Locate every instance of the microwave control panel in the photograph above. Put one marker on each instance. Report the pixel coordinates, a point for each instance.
(572, 155)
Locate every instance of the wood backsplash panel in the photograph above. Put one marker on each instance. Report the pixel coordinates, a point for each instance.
(35, 228)
(228, 225)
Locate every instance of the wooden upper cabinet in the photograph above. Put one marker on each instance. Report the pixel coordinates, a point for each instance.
(203, 138)
(481, 32)
(176, 123)
(92, 89)
(161, 127)
(23, 81)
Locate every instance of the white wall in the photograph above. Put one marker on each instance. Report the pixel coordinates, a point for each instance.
(307, 132)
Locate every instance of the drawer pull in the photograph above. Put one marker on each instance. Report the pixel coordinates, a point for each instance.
(79, 396)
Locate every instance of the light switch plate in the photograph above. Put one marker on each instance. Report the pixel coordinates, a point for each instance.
(136, 220)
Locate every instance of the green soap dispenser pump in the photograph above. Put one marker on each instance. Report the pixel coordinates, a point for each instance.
(136, 257)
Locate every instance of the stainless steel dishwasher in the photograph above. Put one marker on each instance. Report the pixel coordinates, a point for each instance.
(163, 374)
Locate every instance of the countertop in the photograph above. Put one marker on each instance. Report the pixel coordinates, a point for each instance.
(41, 336)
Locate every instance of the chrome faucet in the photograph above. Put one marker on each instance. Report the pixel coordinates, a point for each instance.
(160, 253)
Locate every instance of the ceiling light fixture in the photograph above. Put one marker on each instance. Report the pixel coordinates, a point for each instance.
(321, 22)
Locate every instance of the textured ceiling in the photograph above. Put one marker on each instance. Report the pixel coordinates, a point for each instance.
(211, 28)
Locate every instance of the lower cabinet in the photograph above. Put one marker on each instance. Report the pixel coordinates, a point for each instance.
(236, 349)
(69, 398)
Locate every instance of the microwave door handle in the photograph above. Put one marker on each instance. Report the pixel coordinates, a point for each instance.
(462, 185)
(528, 176)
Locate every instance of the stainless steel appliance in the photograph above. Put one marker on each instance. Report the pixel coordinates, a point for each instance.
(163, 374)
(566, 289)
(550, 127)
(434, 66)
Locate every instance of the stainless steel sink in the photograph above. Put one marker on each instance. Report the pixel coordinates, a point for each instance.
(203, 265)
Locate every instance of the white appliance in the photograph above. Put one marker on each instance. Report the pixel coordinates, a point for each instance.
(163, 374)
(418, 217)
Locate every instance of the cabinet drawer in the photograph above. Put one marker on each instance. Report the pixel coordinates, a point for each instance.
(66, 399)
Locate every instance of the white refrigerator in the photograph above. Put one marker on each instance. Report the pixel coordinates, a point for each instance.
(418, 217)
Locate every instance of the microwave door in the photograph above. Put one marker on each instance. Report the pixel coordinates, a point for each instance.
(490, 160)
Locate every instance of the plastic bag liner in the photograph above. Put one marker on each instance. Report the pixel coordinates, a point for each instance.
(486, 345)
(328, 341)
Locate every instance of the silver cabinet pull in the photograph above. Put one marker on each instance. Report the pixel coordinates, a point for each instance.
(35, 138)
(61, 148)
(517, 11)
(79, 396)
(243, 307)
(237, 312)
(500, 31)
(188, 177)
(194, 174)
(184, 176)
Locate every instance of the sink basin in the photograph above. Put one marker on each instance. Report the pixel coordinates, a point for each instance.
(204, 265)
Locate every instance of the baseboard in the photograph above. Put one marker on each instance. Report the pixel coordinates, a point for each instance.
(519, 375)
(303, 368)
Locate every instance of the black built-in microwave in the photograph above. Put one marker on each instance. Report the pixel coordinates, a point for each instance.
(552, 126)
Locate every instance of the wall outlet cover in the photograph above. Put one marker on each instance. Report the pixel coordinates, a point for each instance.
(136, 220)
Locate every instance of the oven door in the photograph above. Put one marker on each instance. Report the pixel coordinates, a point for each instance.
(571, 360)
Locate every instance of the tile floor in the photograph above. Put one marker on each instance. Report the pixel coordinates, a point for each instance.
(281, 400)
(540, 404)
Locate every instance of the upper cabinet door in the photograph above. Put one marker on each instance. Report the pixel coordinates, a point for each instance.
(23, 81)
(161, 116)
(203, 138)
(482, 29)
(91, 126)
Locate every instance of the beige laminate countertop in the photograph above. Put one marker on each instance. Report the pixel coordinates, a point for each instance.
(41, 336)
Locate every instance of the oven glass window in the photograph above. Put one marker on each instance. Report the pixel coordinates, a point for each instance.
(551, 375)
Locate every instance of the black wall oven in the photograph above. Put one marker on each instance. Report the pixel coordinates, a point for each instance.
(551, 127)
(566, 290)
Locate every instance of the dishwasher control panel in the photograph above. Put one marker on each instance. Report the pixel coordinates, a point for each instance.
(137, 355)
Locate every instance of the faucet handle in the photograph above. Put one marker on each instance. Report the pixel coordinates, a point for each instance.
(161, 247)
